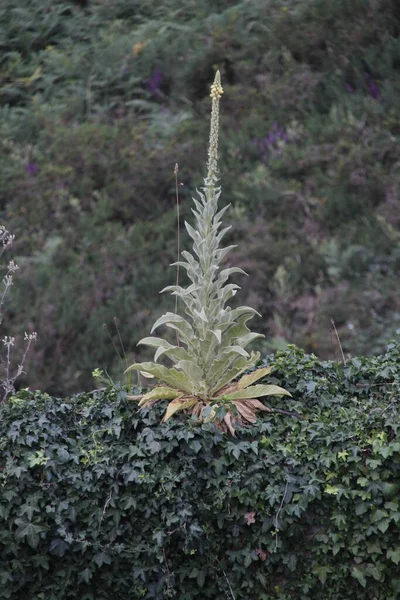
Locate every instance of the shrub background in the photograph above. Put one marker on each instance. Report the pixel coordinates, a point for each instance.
(99, 99)
(100, 501)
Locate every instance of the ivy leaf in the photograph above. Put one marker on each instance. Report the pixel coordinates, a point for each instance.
(394, 555)
(359, 575)
(30, 532)
(321, 572)
(102, 558)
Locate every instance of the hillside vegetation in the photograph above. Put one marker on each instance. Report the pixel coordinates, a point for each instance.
(100, 99)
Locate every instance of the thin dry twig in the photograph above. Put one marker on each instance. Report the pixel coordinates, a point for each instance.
(120, 340)
(289, 413)
(105, 507)
(112, 341)
(277, 515)
(229, 585)
(333, 326)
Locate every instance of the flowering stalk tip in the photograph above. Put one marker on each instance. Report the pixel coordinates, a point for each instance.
(216, 93)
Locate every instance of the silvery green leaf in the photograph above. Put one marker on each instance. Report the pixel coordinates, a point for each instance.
(181, 263)
(245, 340)
(258, 391)
(170, 376)
(235, 350)
(242, 310)
(220, 254)
(192, 372)
(254, 376)
(225, 362)
(183, 332)
(180, 291)
(198, 205)
(228, 292)
(218, 334)
(175, 353)
(170, 318)
(220, 213)
(237, 328)
(190, 258)
(193, 233)
(226, 273)
(163, 347)
(190, 303)
(201, 314)
(155, 342)
(222, 233)
(241, 364)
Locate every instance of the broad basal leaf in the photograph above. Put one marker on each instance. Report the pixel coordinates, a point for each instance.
(229, 371)
(249, 414)
(159, 393)
(251, 378)
(170, 376)
(257, 391)
(179, 404)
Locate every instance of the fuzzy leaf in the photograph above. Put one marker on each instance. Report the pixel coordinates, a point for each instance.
(193, 233)
(231, 371)
(178, 323)
(170, 376)
(175, 353)
(163, 347)
(256, 391)
(177, 405)
(243, 310)
(193, 373)
(177, 290)
(159, 393)
(226, 273)
(220, 254)
(251, 378)
(201, 314)
(218, 334)
(235, 350)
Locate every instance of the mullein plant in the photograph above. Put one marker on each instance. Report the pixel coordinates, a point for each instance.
(212, 337)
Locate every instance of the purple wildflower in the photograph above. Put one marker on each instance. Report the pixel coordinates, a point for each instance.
(372, 86)
(154, 81)
(31, 168)
(373, 89)
(349, 88)
(270, 143)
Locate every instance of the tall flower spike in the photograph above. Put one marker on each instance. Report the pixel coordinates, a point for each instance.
(216, 93)
(212, 337)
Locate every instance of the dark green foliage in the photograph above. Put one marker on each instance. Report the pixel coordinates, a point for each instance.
(99, 99)
(99, 502)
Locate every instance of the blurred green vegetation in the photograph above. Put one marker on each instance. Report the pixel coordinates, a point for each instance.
(100, 98)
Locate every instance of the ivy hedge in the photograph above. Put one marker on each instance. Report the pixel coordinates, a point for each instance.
(99, 501)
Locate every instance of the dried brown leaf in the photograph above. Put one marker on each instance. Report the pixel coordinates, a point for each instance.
(246, 412)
